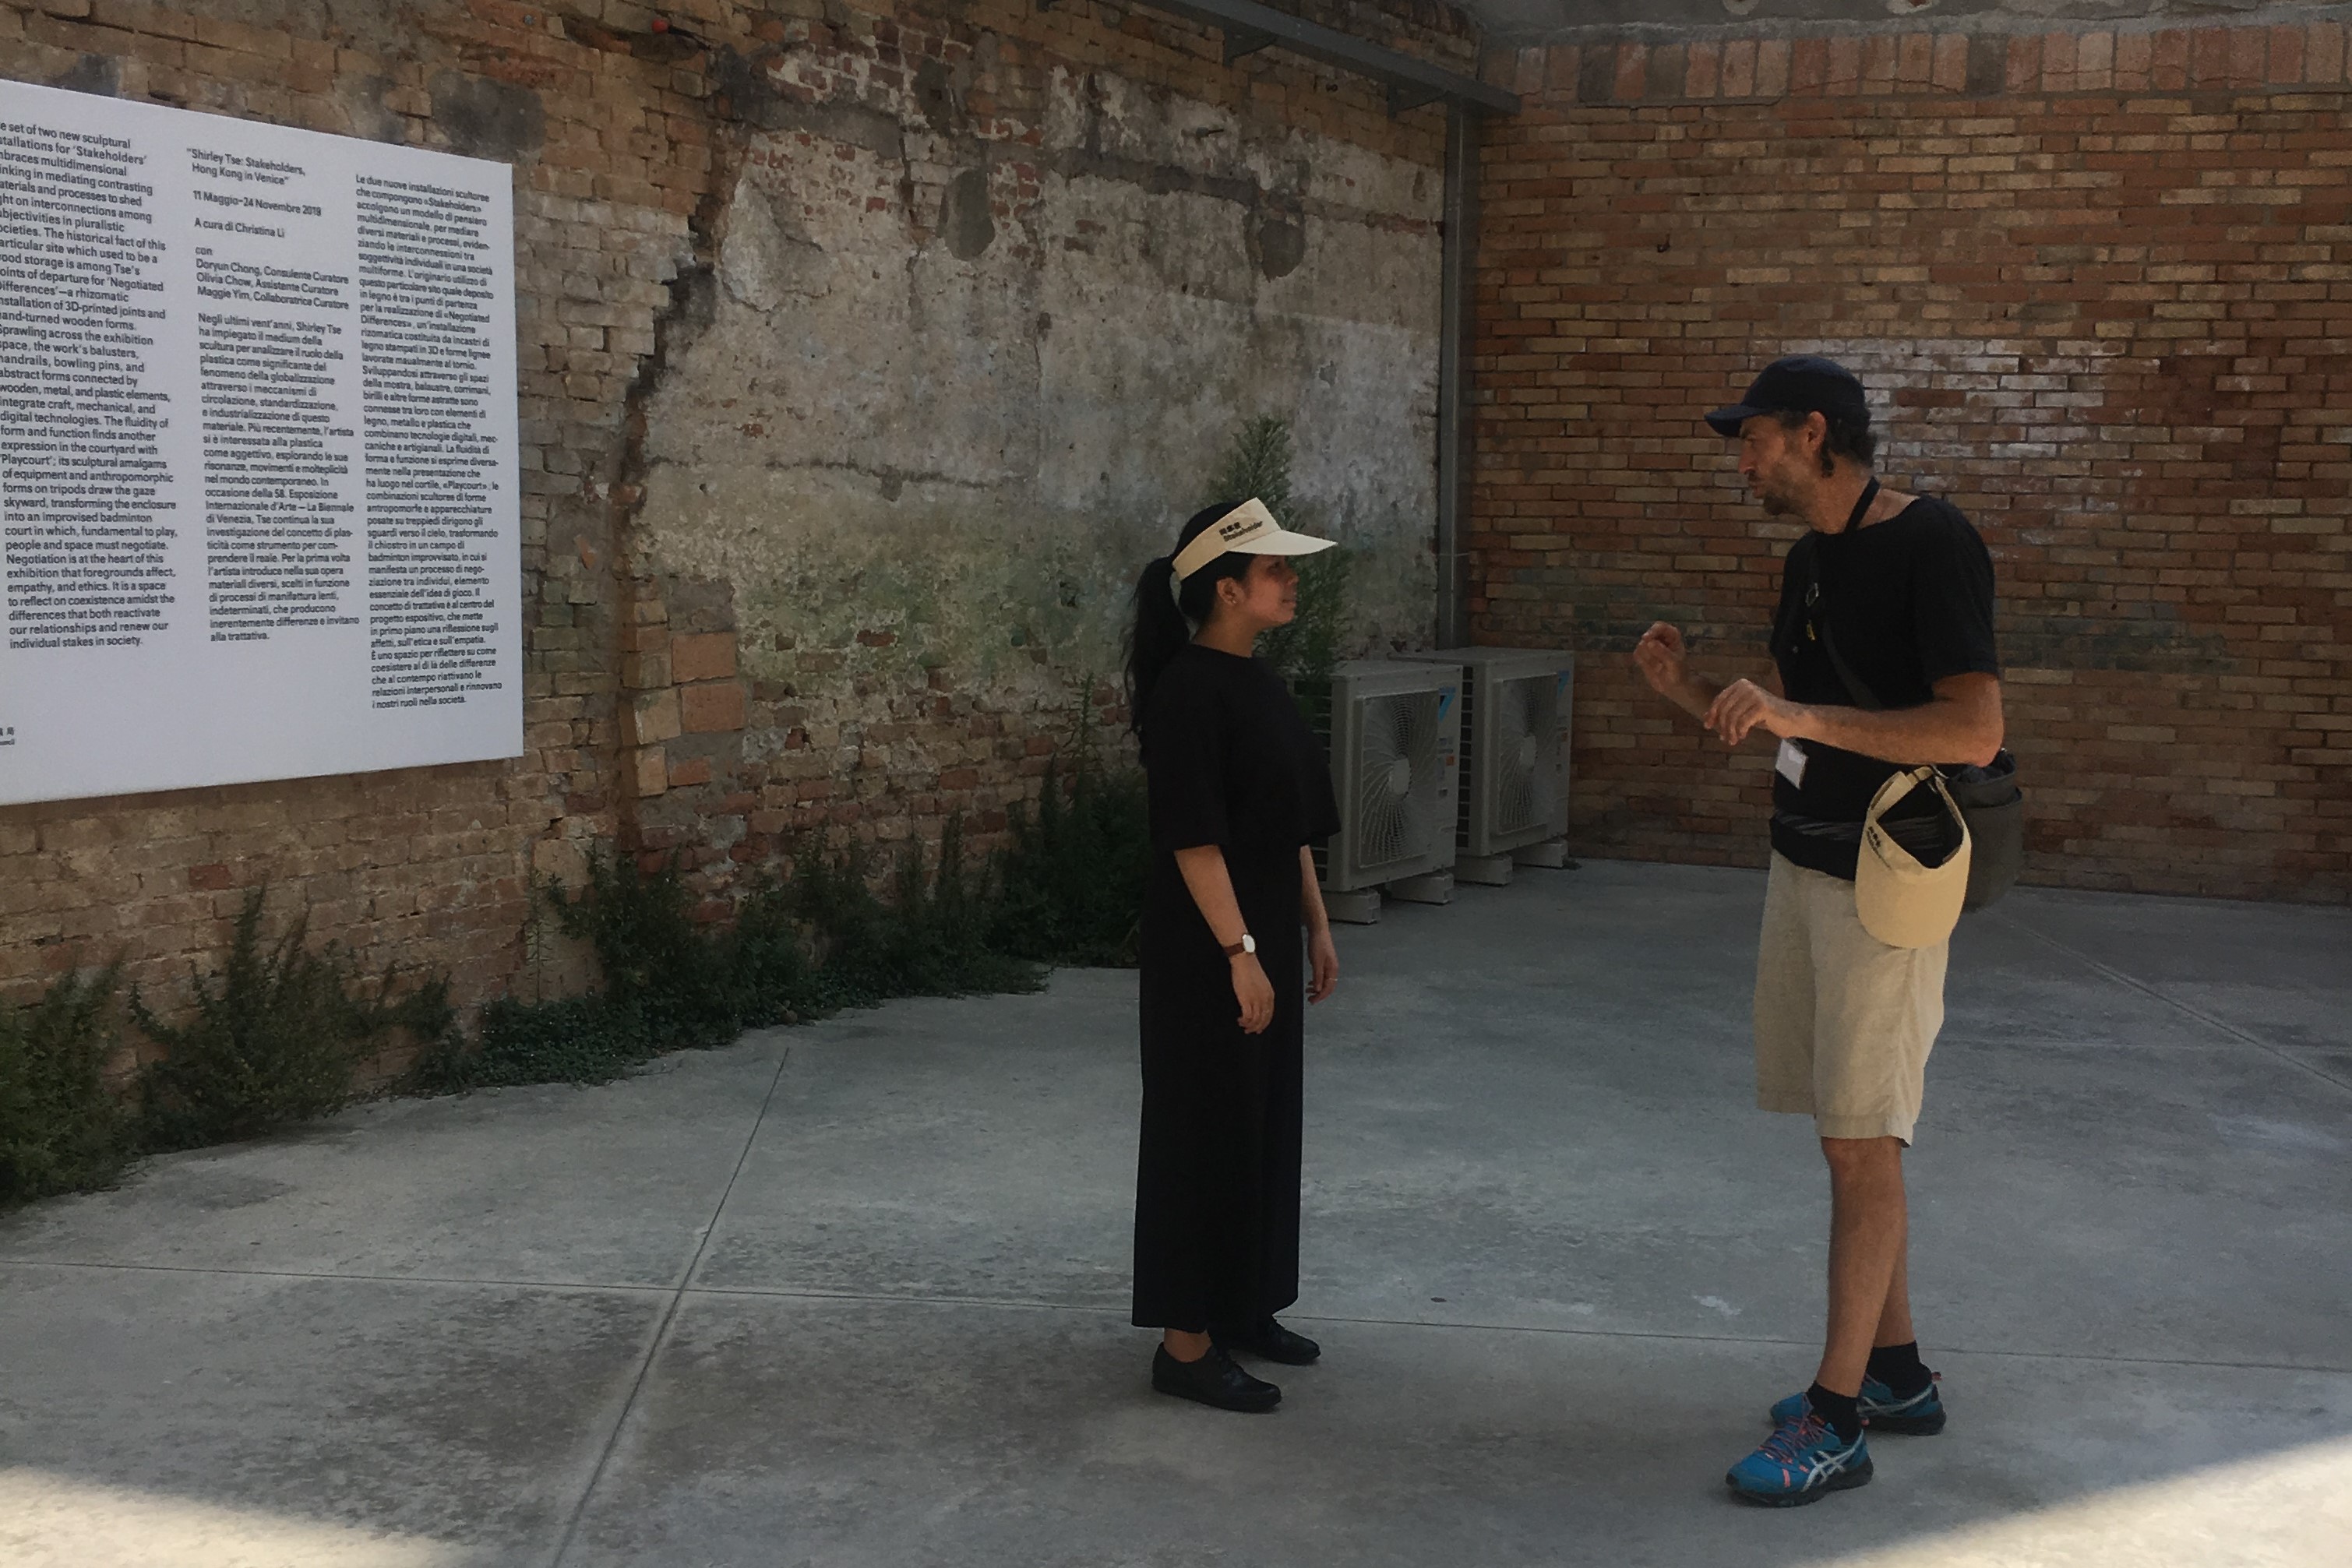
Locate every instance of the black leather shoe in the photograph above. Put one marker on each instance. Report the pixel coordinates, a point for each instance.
(1213, 1380)
(1269, 1340)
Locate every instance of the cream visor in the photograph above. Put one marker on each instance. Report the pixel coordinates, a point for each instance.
(1250, 528)
(1903, 902)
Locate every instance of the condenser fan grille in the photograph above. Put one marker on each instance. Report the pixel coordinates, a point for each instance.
(1524, 719)
(1517, 703)
(1397, 779)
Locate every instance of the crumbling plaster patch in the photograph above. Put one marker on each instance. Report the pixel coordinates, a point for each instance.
(928, 444)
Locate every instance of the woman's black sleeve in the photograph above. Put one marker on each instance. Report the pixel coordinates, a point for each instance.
(1322, 805)
(1184, 761)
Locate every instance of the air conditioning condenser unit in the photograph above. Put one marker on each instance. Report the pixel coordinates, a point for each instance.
(1395, 729)
(1517, 704)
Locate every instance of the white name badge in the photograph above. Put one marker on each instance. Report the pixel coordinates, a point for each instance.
(1791, 763)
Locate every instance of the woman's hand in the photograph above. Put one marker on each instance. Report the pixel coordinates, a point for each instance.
(1324, 955)
(1254, 991)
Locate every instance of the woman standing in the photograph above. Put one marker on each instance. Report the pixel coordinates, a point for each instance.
(1238, 787)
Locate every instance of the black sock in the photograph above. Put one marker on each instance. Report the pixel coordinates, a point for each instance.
(1899, 1367)
(1842, 1411)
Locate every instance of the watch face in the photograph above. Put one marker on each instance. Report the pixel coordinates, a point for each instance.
(1249, 942)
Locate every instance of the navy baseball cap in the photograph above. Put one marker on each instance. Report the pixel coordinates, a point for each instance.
(1800, 384)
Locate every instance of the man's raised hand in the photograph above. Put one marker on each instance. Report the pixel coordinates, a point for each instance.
(1662, 659)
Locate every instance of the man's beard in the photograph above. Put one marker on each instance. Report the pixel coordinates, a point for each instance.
(1775, 504)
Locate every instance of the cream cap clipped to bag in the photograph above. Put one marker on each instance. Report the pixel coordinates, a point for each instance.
(1250, 528)
(1903, 902)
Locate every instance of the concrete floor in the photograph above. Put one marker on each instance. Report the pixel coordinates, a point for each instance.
(855, 1293)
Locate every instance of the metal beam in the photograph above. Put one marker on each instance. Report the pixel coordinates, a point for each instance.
(1350, 53)
(1240, 41)
(1457, 301)
(1403, 100)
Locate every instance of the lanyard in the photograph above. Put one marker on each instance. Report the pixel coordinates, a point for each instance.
(1816, 615)
(1860, 507)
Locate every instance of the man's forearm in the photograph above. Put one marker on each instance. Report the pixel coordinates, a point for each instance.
(1695, 695)
(1941, 731)
(1962, 722)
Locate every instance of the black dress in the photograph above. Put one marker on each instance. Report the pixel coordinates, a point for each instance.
(1229, 762)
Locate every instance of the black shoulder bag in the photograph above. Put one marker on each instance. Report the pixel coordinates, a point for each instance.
(1989, 799)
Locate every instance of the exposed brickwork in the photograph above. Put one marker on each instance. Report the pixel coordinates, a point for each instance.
(426, 868)
(633, 690)
(737, 773)
(2101, 286)
(781, 738)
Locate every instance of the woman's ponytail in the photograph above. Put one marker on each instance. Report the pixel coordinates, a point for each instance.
(1157, 635)
(1164, 618)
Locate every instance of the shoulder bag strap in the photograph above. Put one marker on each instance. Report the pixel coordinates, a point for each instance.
(1855, 687)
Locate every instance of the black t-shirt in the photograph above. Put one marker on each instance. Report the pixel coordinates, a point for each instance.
(1230, 762)
(1909, 603)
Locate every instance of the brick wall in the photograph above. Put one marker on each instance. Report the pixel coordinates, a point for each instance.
(625, 129)
(1045, 301)
(2100, 285)
(423, 867)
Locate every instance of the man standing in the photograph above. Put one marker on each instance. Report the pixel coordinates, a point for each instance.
(1883, 641)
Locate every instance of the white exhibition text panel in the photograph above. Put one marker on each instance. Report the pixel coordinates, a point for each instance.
(258, 510)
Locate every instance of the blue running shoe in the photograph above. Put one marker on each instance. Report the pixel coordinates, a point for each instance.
(1921, 1415)
(1799, 1463)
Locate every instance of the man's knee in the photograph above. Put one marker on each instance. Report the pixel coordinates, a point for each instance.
(1861, 1159)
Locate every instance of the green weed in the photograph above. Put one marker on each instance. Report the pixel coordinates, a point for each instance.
(62, 1126)
(564, 1040)
(929, 939)
(799, 947)
(276, 1038)
(1070, 885)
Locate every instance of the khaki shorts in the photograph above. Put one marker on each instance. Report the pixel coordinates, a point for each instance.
(1844, 1022)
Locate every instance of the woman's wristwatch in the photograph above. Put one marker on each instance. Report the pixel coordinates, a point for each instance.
(1248, 944)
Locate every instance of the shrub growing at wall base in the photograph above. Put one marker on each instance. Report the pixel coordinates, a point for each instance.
(929, 939)
(570, 1040)
(277, 1035)
(661, 969)
(669, 984)
(62, 1126)
(800, 948)
(1070, 884)
(276, 1038)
